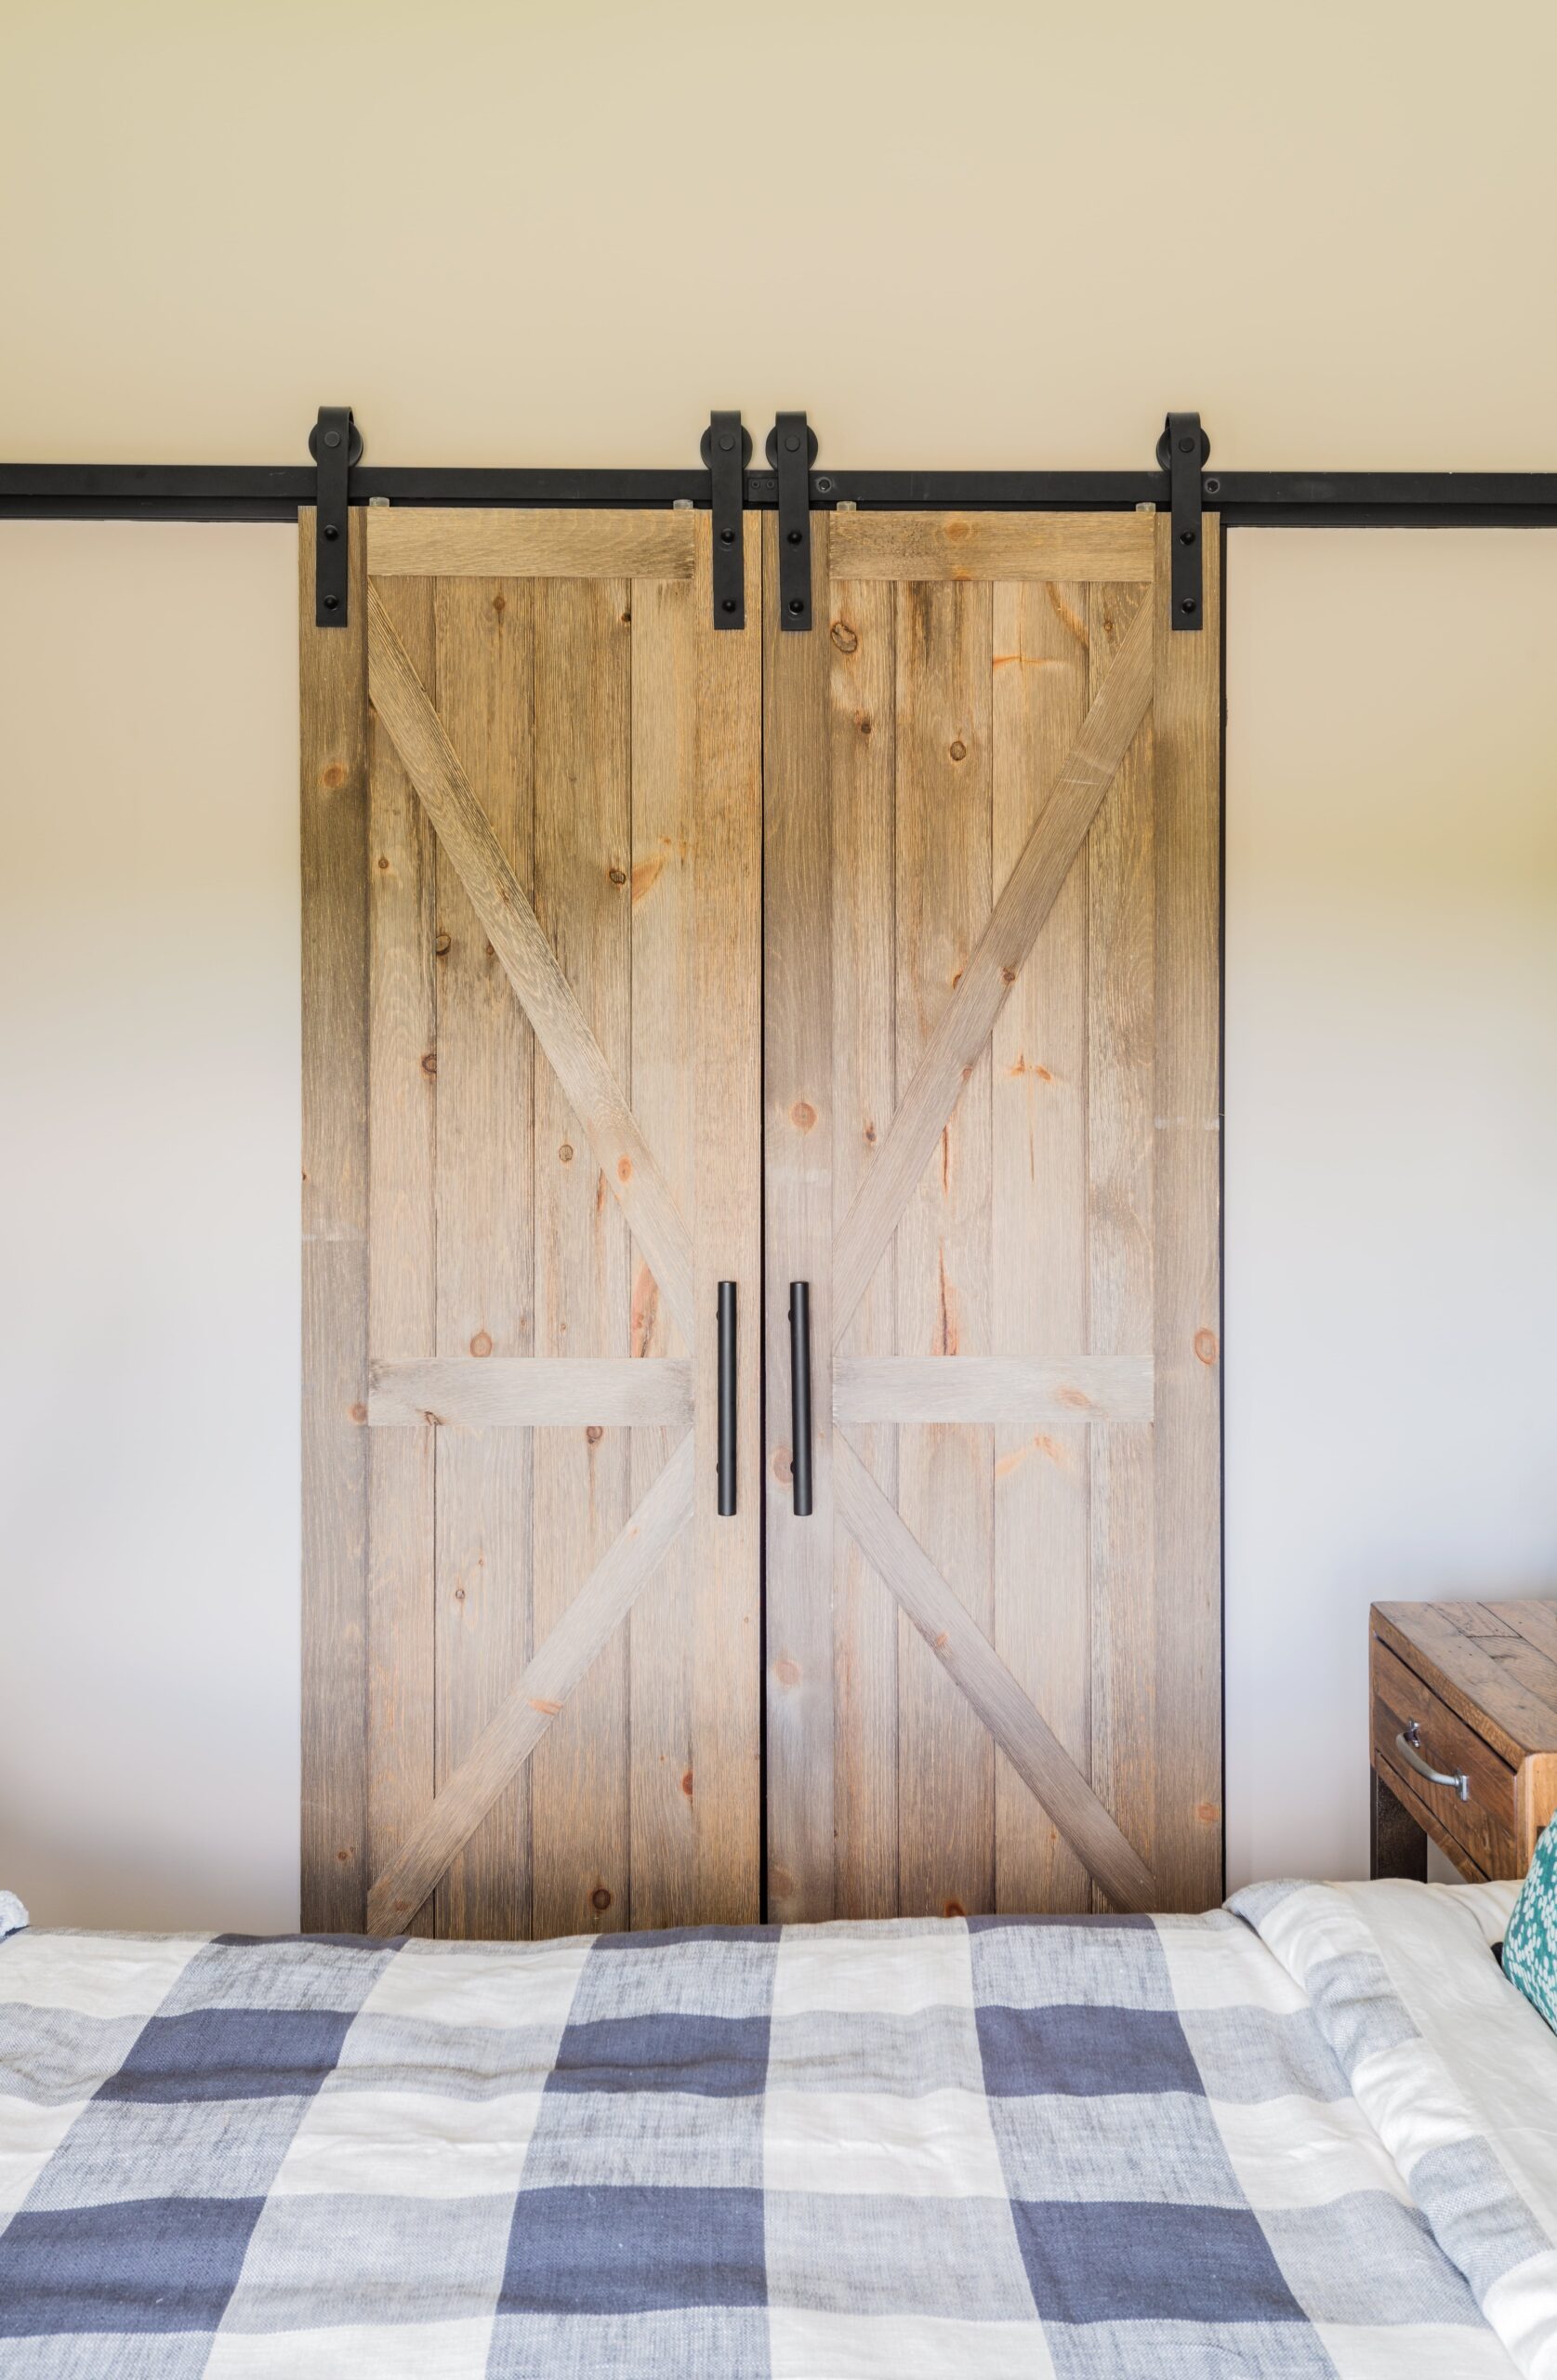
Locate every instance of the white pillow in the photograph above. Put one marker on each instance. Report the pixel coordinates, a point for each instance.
(13, 1917)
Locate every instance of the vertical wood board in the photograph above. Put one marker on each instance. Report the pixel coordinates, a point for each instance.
(333, 792)
(486, 1229)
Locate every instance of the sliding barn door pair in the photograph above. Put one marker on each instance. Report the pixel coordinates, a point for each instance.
(651, 971)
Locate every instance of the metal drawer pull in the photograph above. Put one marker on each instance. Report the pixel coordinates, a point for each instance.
(1406, 1744)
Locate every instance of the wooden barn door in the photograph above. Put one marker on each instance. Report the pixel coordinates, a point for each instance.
(992, 1109)
(532, 990)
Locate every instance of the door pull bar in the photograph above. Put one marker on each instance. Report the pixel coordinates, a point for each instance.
(799, 1394)
(727, 1400)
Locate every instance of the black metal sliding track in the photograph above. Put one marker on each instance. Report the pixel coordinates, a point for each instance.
(1243, 499)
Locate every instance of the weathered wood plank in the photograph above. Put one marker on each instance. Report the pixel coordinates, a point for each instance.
(1121, 929)
(485, 1231)
(944, 898)
(335, 1218)
(662, 1645)
(579, 1781)
(967, 1655)
(1536, 1622)
(555, 1010)
(1186, 1261)
(1038, 1238)
(402, 1266)
(797, 961)
(967, 1018)
(1477, 1618)
(726, 1060)
(484, 631)
(553, 1678)
(529, 1392)
(862, 803)
(411, 541)
(1014, 1391)
(928, 546)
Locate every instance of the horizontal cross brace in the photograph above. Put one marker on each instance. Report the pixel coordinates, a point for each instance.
(1242, 500)
(1015, 1390)
(529, 1392)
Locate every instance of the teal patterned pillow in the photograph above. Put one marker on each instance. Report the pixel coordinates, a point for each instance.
(1530, 1944)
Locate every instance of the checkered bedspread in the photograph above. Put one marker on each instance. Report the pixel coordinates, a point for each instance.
(1107, 2149)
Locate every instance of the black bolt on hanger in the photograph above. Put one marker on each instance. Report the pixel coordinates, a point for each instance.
(1183, 451)
(727, 451)
(336, 443)
(791, 451)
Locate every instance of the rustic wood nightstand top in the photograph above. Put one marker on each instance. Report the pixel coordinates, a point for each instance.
(1464, 1733)
(1496, 1663)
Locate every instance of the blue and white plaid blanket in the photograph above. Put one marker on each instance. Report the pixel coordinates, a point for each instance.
(1104, 2149)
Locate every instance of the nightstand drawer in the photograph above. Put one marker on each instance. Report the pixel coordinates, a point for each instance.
(1481, 1816)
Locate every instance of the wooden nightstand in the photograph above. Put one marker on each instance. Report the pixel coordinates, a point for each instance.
(1464, 1712)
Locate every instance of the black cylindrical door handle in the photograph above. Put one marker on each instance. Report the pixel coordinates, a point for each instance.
(799, 1394)
(727, 1400)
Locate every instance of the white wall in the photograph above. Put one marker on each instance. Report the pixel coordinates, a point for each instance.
(991, 232)
(1391, 1132)
(149, 1275)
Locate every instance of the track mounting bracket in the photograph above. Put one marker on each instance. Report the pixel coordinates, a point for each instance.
(727, 451)
(1183, 451)
(791, 451)
(336, 443)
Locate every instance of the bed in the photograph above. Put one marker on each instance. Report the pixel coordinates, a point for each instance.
(1313, 2133)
